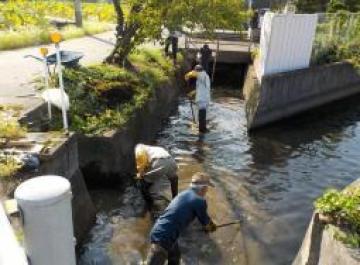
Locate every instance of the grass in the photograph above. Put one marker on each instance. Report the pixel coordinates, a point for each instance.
(37, 36)
(104, 97)
(8, 167)
(10, 129)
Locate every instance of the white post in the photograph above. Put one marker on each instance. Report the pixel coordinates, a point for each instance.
(10, 251)
(45, 205)
(61, 84)
(46, 81)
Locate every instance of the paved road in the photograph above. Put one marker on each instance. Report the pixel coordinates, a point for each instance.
(17, 72)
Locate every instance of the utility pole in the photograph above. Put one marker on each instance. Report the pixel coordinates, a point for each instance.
(78, 13)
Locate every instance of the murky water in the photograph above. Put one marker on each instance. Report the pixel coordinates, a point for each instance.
(268, 180)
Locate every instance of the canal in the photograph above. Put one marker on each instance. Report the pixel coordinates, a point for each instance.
(267, 179)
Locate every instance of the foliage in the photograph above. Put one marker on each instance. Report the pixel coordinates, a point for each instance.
(338, 38)
(153, 67)
(25, 23)
(311, 6)
(348, 5)
(145, 20)
(8, 167)
(350, 239)
(343, 209)
(17, 14)
(10, 128)
(104, 97)
(332, 6)
(36, 36)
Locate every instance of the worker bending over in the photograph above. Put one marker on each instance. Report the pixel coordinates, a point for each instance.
(156, 177)
(202, 93)
(187, 206)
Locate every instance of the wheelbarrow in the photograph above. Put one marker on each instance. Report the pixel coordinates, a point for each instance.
(68, 58)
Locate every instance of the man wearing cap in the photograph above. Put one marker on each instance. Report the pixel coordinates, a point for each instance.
(187, 206)
(156, 177)
(202, 93)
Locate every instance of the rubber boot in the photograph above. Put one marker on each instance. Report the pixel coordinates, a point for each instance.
(202, 120)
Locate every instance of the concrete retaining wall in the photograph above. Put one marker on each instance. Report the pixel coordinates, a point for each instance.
(62, 160)
(321, 248)
(110, 158)
(282, 95)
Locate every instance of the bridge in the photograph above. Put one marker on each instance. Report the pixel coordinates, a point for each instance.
(227, 46)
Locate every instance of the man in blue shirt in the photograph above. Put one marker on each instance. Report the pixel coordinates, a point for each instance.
(183, 209)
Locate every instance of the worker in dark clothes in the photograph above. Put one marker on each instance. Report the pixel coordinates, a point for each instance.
(206, 54)
(187, 206)
(156, 177)
(173, 40)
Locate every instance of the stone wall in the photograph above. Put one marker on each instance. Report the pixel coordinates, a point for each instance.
(282, 95)
(109, 159)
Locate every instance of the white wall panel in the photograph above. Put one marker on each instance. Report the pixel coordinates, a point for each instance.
(286, 42)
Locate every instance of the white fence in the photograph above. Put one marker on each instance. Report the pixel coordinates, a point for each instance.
(286, 42)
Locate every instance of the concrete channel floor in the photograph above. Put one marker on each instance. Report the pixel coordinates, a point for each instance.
(17, 72)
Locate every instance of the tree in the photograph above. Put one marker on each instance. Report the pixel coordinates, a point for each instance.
(78, 13)
(311, 6)
(139, 21)
(348, 5)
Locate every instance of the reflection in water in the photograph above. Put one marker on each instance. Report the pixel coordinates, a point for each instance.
(268, 180)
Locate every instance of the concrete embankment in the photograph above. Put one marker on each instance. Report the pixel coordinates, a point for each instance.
(62, 160)
(110, 158)
(320, 246)
(282, 95)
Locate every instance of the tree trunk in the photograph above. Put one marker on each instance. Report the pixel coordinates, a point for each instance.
(125, 33)
(78, 13)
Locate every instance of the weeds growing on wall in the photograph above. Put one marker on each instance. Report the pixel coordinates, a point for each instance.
(10, 129)
(342, 209)
(105, 97)
(8, 166)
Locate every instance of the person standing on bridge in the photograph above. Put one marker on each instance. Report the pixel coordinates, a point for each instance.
(173, 40)
(187, 206)
(156, 177)
(202, 94)
(206, 55)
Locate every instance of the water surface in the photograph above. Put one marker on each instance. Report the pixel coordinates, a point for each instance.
(267, 179)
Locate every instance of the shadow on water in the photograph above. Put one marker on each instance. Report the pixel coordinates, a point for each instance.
(268, 179)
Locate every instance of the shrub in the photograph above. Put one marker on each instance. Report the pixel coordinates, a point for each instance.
(104, 97)
(338, 39)
(342, 208)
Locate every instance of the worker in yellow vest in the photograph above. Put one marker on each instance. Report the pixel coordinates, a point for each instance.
(156, 176)
(202, 93)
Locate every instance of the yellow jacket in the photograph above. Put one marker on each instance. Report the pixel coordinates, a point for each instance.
(191, 74)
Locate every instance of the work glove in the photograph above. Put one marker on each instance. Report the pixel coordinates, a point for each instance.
(211, 227)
